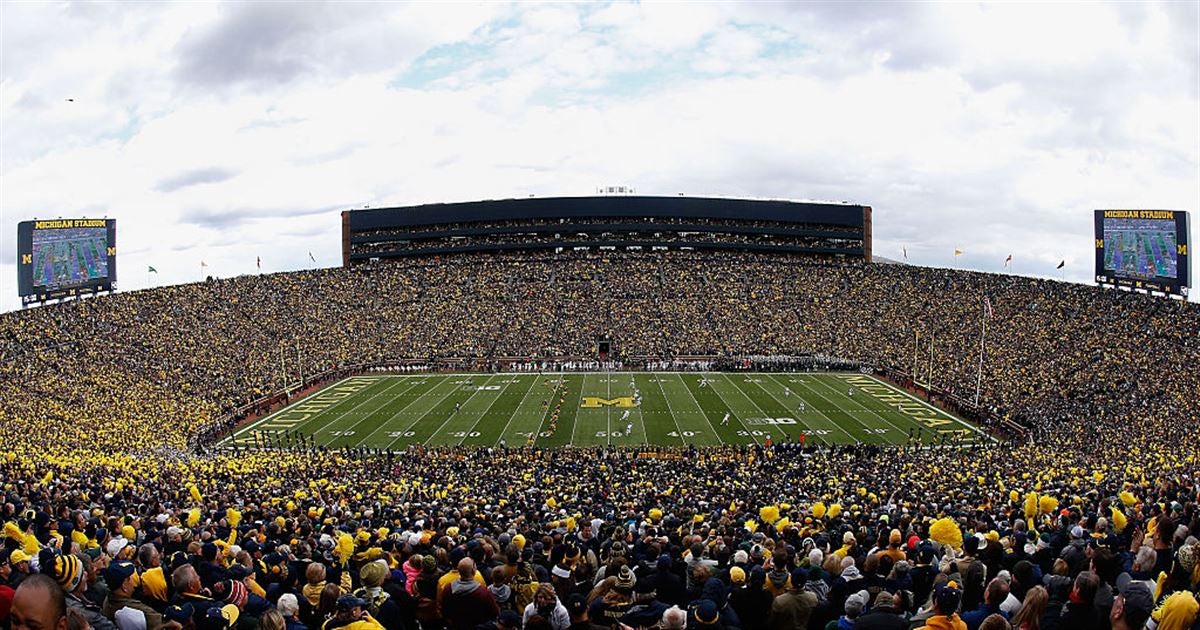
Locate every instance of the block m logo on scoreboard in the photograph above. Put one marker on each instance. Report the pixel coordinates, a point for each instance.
(593, 402)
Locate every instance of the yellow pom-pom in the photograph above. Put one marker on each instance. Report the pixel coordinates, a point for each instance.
(1119, 520)
(1127, 498)
(1048, 504)
(233, 517)
(552, 502)
(782, 523)
(769, 514)
(193, 517)
(818, 510)
(195, 492)
(946, 532)
(862, 492)
(655, 514)
(1014, 496)
(344, 548)
(751, 526)
(1031, 505)
(835, 510)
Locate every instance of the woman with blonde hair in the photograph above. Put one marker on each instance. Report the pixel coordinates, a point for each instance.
(1029, 616)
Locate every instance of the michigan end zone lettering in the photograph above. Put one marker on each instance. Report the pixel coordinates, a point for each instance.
(915, 410)
(317, 404)
(593, 402)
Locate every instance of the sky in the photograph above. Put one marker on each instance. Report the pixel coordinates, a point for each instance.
(223, 133)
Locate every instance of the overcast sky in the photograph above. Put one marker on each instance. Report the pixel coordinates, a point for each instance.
(225, 132)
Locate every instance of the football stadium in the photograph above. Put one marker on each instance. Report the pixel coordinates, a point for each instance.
(631, 411)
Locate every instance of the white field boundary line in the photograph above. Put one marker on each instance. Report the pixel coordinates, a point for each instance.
(454, 413)
(865, 408)
(270, 416)
(828, 420)
(935, 409)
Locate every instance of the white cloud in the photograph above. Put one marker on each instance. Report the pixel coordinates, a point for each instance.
(226, 132)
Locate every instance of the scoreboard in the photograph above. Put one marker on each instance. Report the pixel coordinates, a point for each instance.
(60, 258)
(1143, 249)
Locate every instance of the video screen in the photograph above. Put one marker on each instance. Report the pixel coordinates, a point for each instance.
(1141, 248)
(69, 257)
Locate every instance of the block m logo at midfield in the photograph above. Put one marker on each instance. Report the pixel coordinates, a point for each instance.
(592, 402)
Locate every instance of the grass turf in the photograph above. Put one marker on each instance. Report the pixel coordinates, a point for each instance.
(671, 408)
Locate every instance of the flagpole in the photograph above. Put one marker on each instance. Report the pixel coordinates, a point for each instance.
(979, 377)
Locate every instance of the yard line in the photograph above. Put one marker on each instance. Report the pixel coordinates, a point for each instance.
(866, 430)
(799, 419)
(729, 408)
(337, 418)
(486, 411)
(445, 379)
(518, 409)
(741, 391)
(787, 407)
(418, 381)
(678, 430)
(828, 420)
(453, 413)
(261, 421)
(873, 412)
(355, 425)
(687, 389)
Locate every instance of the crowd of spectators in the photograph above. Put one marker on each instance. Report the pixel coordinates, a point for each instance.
(1090, 522)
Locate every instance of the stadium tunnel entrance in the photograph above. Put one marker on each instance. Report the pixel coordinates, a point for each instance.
(603, 348)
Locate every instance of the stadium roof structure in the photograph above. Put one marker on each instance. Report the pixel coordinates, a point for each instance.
(805, 227)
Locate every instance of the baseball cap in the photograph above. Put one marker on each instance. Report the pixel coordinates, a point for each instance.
(576, 604)
(116, 573)
(346, 602)
(1138, 601)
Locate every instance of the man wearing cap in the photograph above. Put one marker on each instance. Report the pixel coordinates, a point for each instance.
(18, 561)
(1132, 606)
(71, 577)
(379, 602)
(646, 609)
(351, 614)
(794, 607)
(122, 580)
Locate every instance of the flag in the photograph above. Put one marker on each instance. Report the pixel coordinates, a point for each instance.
(987, 307)
(310, 257)
(150, 269)
(1007, 260)
(1061, 264)
(259, 262)
(958, 252)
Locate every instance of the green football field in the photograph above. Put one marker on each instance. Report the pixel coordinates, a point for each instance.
(618, 408)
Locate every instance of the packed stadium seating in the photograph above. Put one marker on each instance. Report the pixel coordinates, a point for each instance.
(102, 400)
